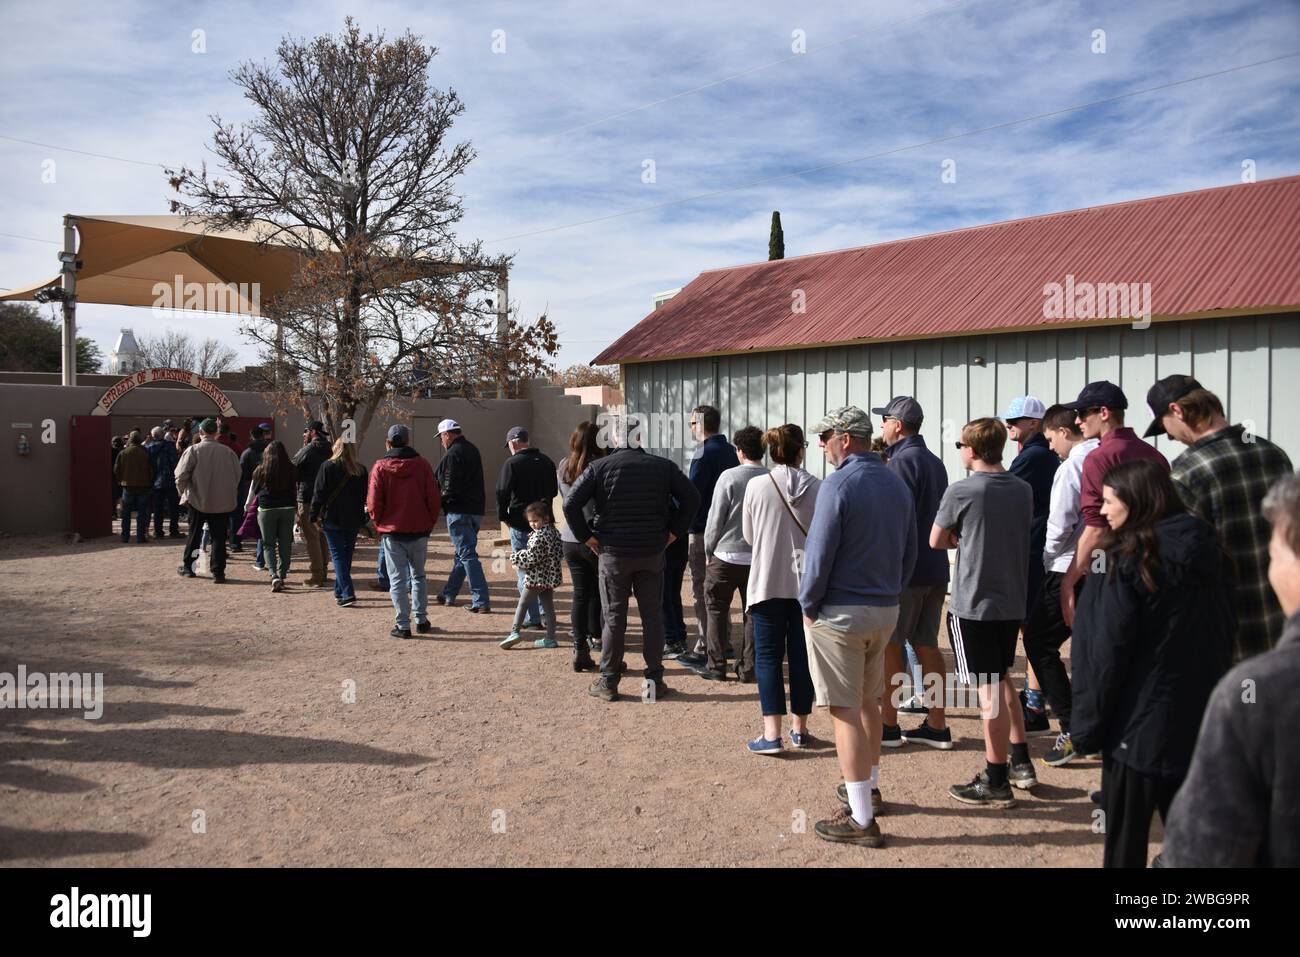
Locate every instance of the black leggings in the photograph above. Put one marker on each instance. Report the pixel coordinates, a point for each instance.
(585, 621)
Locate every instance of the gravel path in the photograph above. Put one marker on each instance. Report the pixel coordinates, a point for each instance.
(226, 739)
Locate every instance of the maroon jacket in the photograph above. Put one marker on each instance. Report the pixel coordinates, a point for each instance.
(404, 498)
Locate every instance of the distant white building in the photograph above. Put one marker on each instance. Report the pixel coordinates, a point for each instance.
(126, 356)
(660, 298)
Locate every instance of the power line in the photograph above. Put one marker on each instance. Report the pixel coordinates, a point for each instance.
(899, 149)
(31, 239)
(69, 149)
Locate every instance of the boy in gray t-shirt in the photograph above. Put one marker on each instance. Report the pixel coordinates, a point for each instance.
(986, 517)
(984, 512)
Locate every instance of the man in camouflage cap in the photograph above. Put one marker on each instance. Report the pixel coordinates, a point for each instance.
(858, 558)
(846, 420)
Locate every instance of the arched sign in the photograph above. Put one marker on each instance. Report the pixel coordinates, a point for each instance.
(191, 379)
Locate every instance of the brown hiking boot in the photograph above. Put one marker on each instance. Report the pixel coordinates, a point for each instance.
(600, 688)
(842, 829)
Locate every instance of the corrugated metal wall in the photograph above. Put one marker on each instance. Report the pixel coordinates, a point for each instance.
(1253, 364)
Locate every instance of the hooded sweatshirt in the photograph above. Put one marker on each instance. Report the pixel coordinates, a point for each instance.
(404, 499)
(1146, 662)
(774, 535)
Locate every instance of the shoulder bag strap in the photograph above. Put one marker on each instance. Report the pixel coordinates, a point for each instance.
(781, 496)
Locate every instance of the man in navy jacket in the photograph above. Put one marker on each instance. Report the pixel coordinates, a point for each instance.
(712, 456)
(1036, 464)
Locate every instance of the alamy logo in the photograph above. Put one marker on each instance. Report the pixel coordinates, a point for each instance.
(1104, 300)
(38, 690)
(243, 298)
(103, 910)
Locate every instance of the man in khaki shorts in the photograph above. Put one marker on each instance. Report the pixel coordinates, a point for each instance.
(860, 554)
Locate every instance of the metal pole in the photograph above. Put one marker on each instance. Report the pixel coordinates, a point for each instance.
(69, 259)
(503, 329)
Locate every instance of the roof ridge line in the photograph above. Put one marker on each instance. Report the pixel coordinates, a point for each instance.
(1005, 222)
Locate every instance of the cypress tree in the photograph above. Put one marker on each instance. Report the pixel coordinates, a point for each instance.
(776, 241)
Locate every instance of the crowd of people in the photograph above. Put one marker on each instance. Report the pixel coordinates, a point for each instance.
(1163, 577)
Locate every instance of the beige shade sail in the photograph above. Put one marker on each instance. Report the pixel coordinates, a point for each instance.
(125, 258)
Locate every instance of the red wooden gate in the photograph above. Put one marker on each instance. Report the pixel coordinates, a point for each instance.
(92, 475)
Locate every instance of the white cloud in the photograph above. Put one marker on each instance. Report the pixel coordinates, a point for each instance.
(125, 83)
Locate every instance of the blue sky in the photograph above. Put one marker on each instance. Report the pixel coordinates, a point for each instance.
(586, 92)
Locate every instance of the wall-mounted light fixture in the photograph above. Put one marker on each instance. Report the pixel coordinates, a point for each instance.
(24, 447)
(979, 361)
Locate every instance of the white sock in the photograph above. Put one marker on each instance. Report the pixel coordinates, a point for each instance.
(875, 777)
(860, 801)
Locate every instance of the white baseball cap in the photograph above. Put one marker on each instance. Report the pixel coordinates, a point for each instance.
(448, 425)
(1024, 407)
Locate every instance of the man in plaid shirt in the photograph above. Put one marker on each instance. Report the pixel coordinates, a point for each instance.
(1223, 476)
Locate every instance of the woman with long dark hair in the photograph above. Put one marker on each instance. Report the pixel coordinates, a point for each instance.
(338, 505)
(1152, 637)
(585, 615)
(274, 486)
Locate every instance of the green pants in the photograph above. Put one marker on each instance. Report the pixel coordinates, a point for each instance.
(277, 538)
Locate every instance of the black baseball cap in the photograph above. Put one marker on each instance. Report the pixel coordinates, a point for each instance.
(1096, 394)
(1169, 389)
(316, 425)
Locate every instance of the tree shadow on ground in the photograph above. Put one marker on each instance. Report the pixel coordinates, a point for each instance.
(18, 843)
(194, 748)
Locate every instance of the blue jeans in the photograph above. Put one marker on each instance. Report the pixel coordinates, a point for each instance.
(778, 635)
(381, 569)
(519, 541)
(342, 543)
(405, 561)
(137, 503)
(464, 538)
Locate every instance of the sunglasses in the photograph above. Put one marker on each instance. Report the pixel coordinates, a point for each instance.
(826, 436)
(961, 445)
(1084, 413)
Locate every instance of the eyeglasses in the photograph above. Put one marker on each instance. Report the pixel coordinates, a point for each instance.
(805, 445)
(886, 418)
(694, 423)
(961, 445)
(1084, 413)
(826, 436)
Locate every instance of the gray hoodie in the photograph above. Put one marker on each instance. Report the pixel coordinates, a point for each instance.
(776, 540)
(722, 533)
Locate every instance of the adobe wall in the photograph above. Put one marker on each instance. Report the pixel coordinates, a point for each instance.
(36, 485)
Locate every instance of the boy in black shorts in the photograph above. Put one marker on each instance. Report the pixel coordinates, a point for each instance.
(987, 518)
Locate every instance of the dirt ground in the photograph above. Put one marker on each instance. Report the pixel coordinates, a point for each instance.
(225, 739)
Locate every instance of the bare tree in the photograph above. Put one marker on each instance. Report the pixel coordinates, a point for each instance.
(576, 376)
(346, 161)
(179, 350)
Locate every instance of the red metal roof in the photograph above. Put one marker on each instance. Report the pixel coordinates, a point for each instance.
(1231, 249)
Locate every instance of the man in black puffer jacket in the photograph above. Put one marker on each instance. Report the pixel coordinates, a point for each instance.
(643, 504)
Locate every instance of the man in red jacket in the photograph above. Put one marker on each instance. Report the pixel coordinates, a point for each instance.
(404, 501)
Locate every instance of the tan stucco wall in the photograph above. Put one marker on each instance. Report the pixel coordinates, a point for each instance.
(35, 498)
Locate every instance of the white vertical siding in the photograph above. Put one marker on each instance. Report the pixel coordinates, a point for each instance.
(1253, 364)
